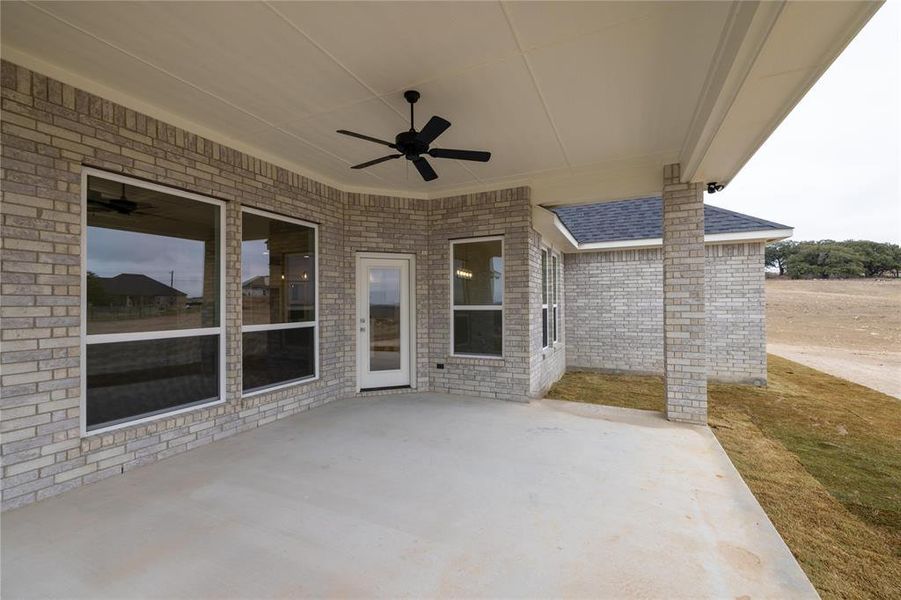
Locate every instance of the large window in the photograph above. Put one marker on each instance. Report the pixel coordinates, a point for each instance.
(477, 290)
(544, 316)
(555, 272)
(278, 301)
(152, 301)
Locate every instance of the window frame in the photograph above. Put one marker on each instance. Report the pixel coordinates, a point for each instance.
(545, 298)
(277, 326)
(555, 318)
(146, 335)
(498, 307)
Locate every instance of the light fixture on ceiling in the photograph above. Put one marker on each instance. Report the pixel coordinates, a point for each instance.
(463, 273)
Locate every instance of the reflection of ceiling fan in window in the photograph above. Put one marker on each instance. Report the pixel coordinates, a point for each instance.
(97, 202)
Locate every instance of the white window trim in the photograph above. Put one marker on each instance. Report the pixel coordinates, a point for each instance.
(555, 288)
(278, 326)
(545, 297)
(500, 307)
(145, 335)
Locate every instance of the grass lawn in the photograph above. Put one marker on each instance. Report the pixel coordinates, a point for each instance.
(821, 454)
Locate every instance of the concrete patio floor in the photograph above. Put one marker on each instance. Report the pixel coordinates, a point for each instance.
(415, 495)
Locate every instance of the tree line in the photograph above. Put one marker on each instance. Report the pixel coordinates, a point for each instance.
(828, 259)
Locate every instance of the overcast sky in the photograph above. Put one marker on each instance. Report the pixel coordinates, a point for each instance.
(831, 169)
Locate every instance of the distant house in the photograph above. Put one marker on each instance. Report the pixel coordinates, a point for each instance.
(137, 290)
(256, 287)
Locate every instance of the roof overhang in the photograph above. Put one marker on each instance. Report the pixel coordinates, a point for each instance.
(555, 233)
(770, 55)
(583, 102)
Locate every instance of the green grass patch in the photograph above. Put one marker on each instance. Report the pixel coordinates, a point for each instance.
(821, 454)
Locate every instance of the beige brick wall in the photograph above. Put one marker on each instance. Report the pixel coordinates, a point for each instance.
(384, 224)
(548, 364)
(615, 303)
(684, 327)
(505, 213)
(51, 130)
(615, 299)
(736, 313)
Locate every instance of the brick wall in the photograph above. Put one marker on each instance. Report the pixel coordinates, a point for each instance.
(547, 364)
(736, 313)
(384, 224)
(506, 213)
(615, 301)
(51, 130)
(684, 325)
(615, 306)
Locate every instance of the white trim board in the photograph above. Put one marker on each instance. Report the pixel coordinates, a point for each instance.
(768, 235)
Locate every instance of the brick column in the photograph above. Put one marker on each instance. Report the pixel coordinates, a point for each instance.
(684, 343)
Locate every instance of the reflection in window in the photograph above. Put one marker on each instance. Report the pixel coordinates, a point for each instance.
(275, 356)
(478, 332)
(153, 269)
(278, 271)
(278, 294)
(126, 380)
(384, 318)
(544, 298)
(555, 320)
(152, 260)
(477, 275)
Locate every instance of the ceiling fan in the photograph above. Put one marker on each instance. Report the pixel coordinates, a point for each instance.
(120, 205)
(414, 145)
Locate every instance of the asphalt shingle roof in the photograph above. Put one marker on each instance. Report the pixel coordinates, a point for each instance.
(641, 219)
(136, 284)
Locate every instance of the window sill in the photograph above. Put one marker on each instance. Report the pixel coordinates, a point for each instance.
(278, 386)
(474, 358)
(144, 420)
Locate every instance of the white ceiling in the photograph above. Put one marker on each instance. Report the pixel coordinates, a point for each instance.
(543, 86)
(580, 100)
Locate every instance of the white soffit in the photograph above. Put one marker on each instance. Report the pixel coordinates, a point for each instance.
(584, 101)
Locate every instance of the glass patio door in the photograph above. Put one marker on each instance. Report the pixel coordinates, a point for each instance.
(383, 322)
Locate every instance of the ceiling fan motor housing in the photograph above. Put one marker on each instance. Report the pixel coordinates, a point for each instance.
(409, 144)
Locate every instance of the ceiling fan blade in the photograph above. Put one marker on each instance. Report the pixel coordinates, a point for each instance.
(435, 127)
(425, 169)
(376, 161)
(476, 155)
(365, 137)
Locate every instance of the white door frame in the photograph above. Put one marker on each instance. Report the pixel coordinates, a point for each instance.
(362, 337)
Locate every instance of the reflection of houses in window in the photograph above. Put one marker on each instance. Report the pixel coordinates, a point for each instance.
(256, 287)
(134, 290)
(300, 289)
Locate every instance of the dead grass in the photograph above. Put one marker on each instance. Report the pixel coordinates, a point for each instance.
(821, 454)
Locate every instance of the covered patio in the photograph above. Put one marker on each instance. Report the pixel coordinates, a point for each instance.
(421, 495)
(200, 146)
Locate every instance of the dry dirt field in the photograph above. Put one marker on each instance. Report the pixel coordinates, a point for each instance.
(848, 328)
